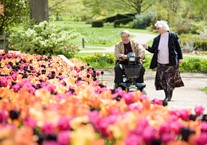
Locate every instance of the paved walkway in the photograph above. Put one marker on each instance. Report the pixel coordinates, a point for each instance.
(189, 96)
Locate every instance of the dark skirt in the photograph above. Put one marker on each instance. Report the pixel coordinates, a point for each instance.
(168, 77)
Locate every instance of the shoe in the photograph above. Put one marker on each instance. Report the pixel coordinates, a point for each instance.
(167, 95)
(170, 95)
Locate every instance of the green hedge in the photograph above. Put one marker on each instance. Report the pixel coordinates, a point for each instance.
(123, 21)
(193, 42)
(107, 61)
(97, 24)
(191, 64)
(200, 44)
(99, 60)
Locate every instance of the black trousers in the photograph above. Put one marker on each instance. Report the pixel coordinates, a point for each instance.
(120, 72)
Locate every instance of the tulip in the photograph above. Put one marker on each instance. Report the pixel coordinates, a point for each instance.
(64, 124)
(199, 110)
(63, 138)
(29, 122)
(3, 116)
(48, 128)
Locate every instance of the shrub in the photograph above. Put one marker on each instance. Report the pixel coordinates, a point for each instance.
(194, 42)
(187, 43)
(97, 24)
(45, 39)
(182, 26)
(201, 44)
(191, 64)
(196, 28)
(99, 60)
(143, 21)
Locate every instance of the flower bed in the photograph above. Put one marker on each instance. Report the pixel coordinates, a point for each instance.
(45, 101)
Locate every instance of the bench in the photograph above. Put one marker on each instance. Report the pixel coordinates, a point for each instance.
(4, 42)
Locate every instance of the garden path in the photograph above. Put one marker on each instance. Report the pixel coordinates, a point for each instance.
(189, 96)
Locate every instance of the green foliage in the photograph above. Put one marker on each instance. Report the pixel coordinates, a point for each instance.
(107, 61)
(14, 13)
(99, 60)
(205, 90)
(142, 21)
(57, 7)
(190, 43)
(197, 27)
(199, 7)
(45, 39)
(187, 42)
(200, 44)
(191, 64)
(100, 37)
(182, 26)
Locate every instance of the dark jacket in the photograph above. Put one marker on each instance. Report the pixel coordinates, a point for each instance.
(175, 52)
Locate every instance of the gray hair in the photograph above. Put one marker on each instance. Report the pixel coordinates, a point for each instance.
(162, 24)
(125, 32)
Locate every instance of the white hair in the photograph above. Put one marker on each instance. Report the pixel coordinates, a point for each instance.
(162, 24)
(125, 32)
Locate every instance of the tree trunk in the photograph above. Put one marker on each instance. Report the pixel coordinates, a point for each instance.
(39, 10)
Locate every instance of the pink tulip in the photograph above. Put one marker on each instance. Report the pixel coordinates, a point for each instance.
(63, 138)
(183, 113)
(199, 110)
(143, 97)
(3, 116)
(134, 107)
(14, 76)
(148, 134)
(16, 88)
(48, 128)
(29, 122)
(64, 124)
(3, 82)
(202, 139)
(98, 73)
(157, 101)
(50, 143)
(31, 90)
(133, 140)
(128, 98)
(167, 137)
(164, 129)
(203, 126)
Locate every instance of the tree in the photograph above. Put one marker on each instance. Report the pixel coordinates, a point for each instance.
(39, 10)
(109, 7)
(199, 7)
(137, 5)
(65, 6)
(15, 12)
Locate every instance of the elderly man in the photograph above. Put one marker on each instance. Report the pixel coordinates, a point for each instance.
(121, 50)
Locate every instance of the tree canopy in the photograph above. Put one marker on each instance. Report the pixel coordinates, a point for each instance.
(15, 12)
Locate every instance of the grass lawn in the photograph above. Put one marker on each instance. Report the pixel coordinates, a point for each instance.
(105, 36)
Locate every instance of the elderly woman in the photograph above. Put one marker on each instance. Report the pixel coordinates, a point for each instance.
(167, 56)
